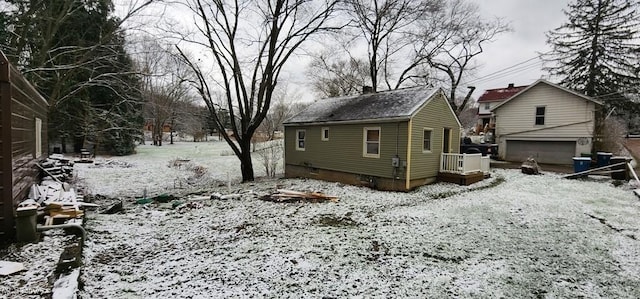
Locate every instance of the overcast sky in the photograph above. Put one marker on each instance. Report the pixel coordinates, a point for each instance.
(530, 20)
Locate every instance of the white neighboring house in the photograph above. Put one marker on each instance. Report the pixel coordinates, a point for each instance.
(545, 121)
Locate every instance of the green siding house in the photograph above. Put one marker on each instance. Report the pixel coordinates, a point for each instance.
(391, 140)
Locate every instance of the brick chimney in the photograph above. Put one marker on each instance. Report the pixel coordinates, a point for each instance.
(510, 85)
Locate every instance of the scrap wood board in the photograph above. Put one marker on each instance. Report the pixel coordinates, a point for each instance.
(283, 193)
(7, 268)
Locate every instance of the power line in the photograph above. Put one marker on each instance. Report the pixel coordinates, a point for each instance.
(519, 67)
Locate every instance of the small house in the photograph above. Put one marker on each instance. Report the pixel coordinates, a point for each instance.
(391, 140)
(23, 131)
(545, 121)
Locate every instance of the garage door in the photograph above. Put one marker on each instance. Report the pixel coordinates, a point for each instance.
(550, 152)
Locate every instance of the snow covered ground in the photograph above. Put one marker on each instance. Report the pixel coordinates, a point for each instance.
(510, 236)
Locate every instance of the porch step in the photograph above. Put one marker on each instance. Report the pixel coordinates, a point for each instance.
(461, 179)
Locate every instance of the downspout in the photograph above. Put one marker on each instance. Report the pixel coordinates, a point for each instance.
(83, 232)
(408, 170)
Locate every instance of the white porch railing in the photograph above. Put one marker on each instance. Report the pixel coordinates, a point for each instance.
(464, 163)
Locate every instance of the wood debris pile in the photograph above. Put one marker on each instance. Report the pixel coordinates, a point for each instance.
(111, 164)
(54, 198)
(291, 196)
(57, 168)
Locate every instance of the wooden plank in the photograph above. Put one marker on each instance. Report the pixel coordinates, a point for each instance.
(577, 174)
(8, 268)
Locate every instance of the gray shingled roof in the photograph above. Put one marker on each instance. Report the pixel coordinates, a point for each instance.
(399, 103)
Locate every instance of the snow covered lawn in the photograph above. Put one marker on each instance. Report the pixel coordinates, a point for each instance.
(510, 236)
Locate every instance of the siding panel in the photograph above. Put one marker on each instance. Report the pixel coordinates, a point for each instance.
(566, 115)
(344, 149)
(437, 115)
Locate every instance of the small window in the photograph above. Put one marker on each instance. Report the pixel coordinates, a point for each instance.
(540, 111)
(325, 134)
(487, 106)
(372, 142)
(300, 139)
(426, 140)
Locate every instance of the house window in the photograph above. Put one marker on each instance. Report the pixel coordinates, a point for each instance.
(371, 142)
(325, 134)
(540, 115)
(487, 106)
(426, 140)
(300, 142)
(38, 136)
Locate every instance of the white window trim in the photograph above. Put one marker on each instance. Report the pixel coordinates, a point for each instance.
(431, 141)
(364, 142)
(322, 134)
(38, 135)
(298, 148)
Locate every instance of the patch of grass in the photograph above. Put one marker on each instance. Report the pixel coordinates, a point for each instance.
(335, 221)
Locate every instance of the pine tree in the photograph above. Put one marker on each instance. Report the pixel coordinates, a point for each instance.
(597, 51)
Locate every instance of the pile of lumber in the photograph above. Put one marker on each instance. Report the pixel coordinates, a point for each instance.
(57, 202)
(54, 197)
(56, 167)
(289, 196)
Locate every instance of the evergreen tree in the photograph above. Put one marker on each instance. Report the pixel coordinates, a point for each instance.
(73, 52)
(597, 51)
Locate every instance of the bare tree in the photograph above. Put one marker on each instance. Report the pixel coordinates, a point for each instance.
(614, 140)
(191, 119)
(250, 43)
(458, 38)
(163, 86)
(389, 28)
(333, 76)
(282, 108)
(270, 154)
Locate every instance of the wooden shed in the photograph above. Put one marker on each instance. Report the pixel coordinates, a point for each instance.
(23, 128)
(391, 140)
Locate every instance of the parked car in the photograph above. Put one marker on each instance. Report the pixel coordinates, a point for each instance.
(468, 146)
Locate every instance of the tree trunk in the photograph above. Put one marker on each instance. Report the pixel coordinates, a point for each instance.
(78, 144)
(63, 145)
(246, 165)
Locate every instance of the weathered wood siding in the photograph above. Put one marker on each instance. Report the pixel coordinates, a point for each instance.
(344, 149)
(21, 105)
(566, 115)
(435, 115)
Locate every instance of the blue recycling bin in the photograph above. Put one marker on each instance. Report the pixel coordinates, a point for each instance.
(581, 164)
(604, 158)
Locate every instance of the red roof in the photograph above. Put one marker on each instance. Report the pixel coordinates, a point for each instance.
(500, 94)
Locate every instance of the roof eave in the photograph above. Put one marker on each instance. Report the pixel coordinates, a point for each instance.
(587, 98)
(349, 122)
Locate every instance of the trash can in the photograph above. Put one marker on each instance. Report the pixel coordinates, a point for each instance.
(581, 164)
(620, 172)
(26, 224)
(604, 158)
